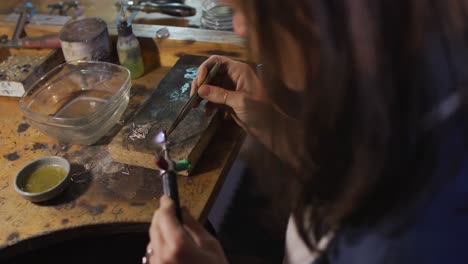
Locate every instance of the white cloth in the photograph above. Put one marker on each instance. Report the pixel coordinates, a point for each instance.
(296, 251)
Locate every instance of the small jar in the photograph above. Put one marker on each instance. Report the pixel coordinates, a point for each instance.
(129, 51)
(85, 39)
(216, 15)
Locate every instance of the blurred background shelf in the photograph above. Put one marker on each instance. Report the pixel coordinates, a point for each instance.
(106, 10)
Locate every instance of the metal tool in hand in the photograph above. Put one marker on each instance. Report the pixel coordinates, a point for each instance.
(167, 171)
(173, 8)
(193, 99)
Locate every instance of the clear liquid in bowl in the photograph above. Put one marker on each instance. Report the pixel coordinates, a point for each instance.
(83, 103)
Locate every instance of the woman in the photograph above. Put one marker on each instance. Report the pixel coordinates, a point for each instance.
(377, 144)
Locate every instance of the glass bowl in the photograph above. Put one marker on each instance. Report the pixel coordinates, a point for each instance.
(78, 102)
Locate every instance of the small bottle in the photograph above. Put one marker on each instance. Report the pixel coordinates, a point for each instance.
(129, 51)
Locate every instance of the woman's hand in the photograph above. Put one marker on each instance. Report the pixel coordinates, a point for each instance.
(246, 92)
(171, 242)
(249, 106)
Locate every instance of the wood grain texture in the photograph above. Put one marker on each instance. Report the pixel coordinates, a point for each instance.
(111, 197)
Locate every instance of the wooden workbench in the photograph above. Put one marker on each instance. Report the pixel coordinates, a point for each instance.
(106, 10)
(111, 197)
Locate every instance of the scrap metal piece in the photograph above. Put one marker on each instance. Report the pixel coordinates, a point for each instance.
(139, 131)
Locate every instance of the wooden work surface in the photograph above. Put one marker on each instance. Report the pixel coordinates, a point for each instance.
(110, 197)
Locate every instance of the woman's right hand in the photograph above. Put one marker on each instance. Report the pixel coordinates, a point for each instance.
(249, 106)
(247, 92)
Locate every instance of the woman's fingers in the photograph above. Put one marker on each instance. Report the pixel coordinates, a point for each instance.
(149, 255)
(203, 72)
(211, 107)
(172, 242)
(221, 96)
(195, 229)
(232, 101)
(203, 239)
(170, 228)
(206, 66)
(155, 234)
(204, 69)
(156, 240)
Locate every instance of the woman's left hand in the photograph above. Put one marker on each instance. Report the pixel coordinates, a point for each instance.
(172, 242)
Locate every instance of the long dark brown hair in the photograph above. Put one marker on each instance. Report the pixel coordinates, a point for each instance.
(362, 148)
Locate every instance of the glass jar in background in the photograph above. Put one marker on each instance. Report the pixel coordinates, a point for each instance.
(216, 15)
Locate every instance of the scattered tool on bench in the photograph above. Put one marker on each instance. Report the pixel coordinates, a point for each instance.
(62, 8)
(173, 8)
(18, 39)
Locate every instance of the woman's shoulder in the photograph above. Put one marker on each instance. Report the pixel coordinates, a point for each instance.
(434, 230)
(432, 241)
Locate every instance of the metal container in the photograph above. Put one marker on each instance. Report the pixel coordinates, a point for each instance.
(20, 179)
(85, 39)
(216, 15)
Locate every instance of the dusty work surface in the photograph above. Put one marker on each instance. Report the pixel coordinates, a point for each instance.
(134, 145)
(103, 193)
(107, 196)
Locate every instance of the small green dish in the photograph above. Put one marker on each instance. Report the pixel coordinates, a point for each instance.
(43, 179)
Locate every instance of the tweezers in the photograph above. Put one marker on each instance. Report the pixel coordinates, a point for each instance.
(193, 99)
